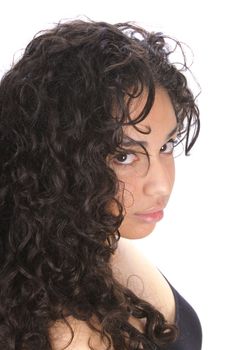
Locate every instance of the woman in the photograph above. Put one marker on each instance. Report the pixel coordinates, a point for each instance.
(89, 120)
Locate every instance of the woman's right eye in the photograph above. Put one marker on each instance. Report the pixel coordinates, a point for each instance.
(125, 158)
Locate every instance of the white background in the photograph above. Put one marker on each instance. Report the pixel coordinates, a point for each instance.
(191, 246)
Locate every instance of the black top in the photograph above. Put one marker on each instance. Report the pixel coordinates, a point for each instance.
(187, 321)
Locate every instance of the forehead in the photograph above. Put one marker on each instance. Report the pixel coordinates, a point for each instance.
(161, 119)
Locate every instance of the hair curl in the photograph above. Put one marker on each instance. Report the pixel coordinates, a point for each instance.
(63, 106)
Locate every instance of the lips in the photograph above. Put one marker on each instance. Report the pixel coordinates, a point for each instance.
(151, 216)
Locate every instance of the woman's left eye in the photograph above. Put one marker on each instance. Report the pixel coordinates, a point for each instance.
(168, 147)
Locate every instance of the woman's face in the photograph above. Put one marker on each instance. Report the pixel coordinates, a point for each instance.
(145, 190)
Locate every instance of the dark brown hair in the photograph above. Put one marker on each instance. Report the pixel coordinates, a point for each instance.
(62, 109)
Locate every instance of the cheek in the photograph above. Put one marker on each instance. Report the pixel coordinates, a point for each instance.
(166, 178)
(173, 171)
(170, 169)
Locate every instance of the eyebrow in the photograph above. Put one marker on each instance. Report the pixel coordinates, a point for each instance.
(174, 130)
(128, 142)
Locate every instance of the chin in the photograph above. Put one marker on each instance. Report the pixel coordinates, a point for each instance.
(137, 232)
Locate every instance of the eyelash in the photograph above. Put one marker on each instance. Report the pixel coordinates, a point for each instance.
(173, 143)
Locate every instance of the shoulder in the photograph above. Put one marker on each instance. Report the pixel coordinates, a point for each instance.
(83, 336)
(133, 269)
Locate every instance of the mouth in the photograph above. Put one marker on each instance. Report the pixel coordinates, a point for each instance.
(150, 217)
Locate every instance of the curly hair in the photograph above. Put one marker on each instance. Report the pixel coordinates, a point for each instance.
(63, 106)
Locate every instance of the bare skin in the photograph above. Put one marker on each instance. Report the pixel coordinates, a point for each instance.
(147, 188)
(144, 279)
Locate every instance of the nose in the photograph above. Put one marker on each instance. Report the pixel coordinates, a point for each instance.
(159, 179)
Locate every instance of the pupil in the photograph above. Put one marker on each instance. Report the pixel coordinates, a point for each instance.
(122, 157)
(164, 148)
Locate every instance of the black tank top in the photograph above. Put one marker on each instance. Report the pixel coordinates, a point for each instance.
(187, 321)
